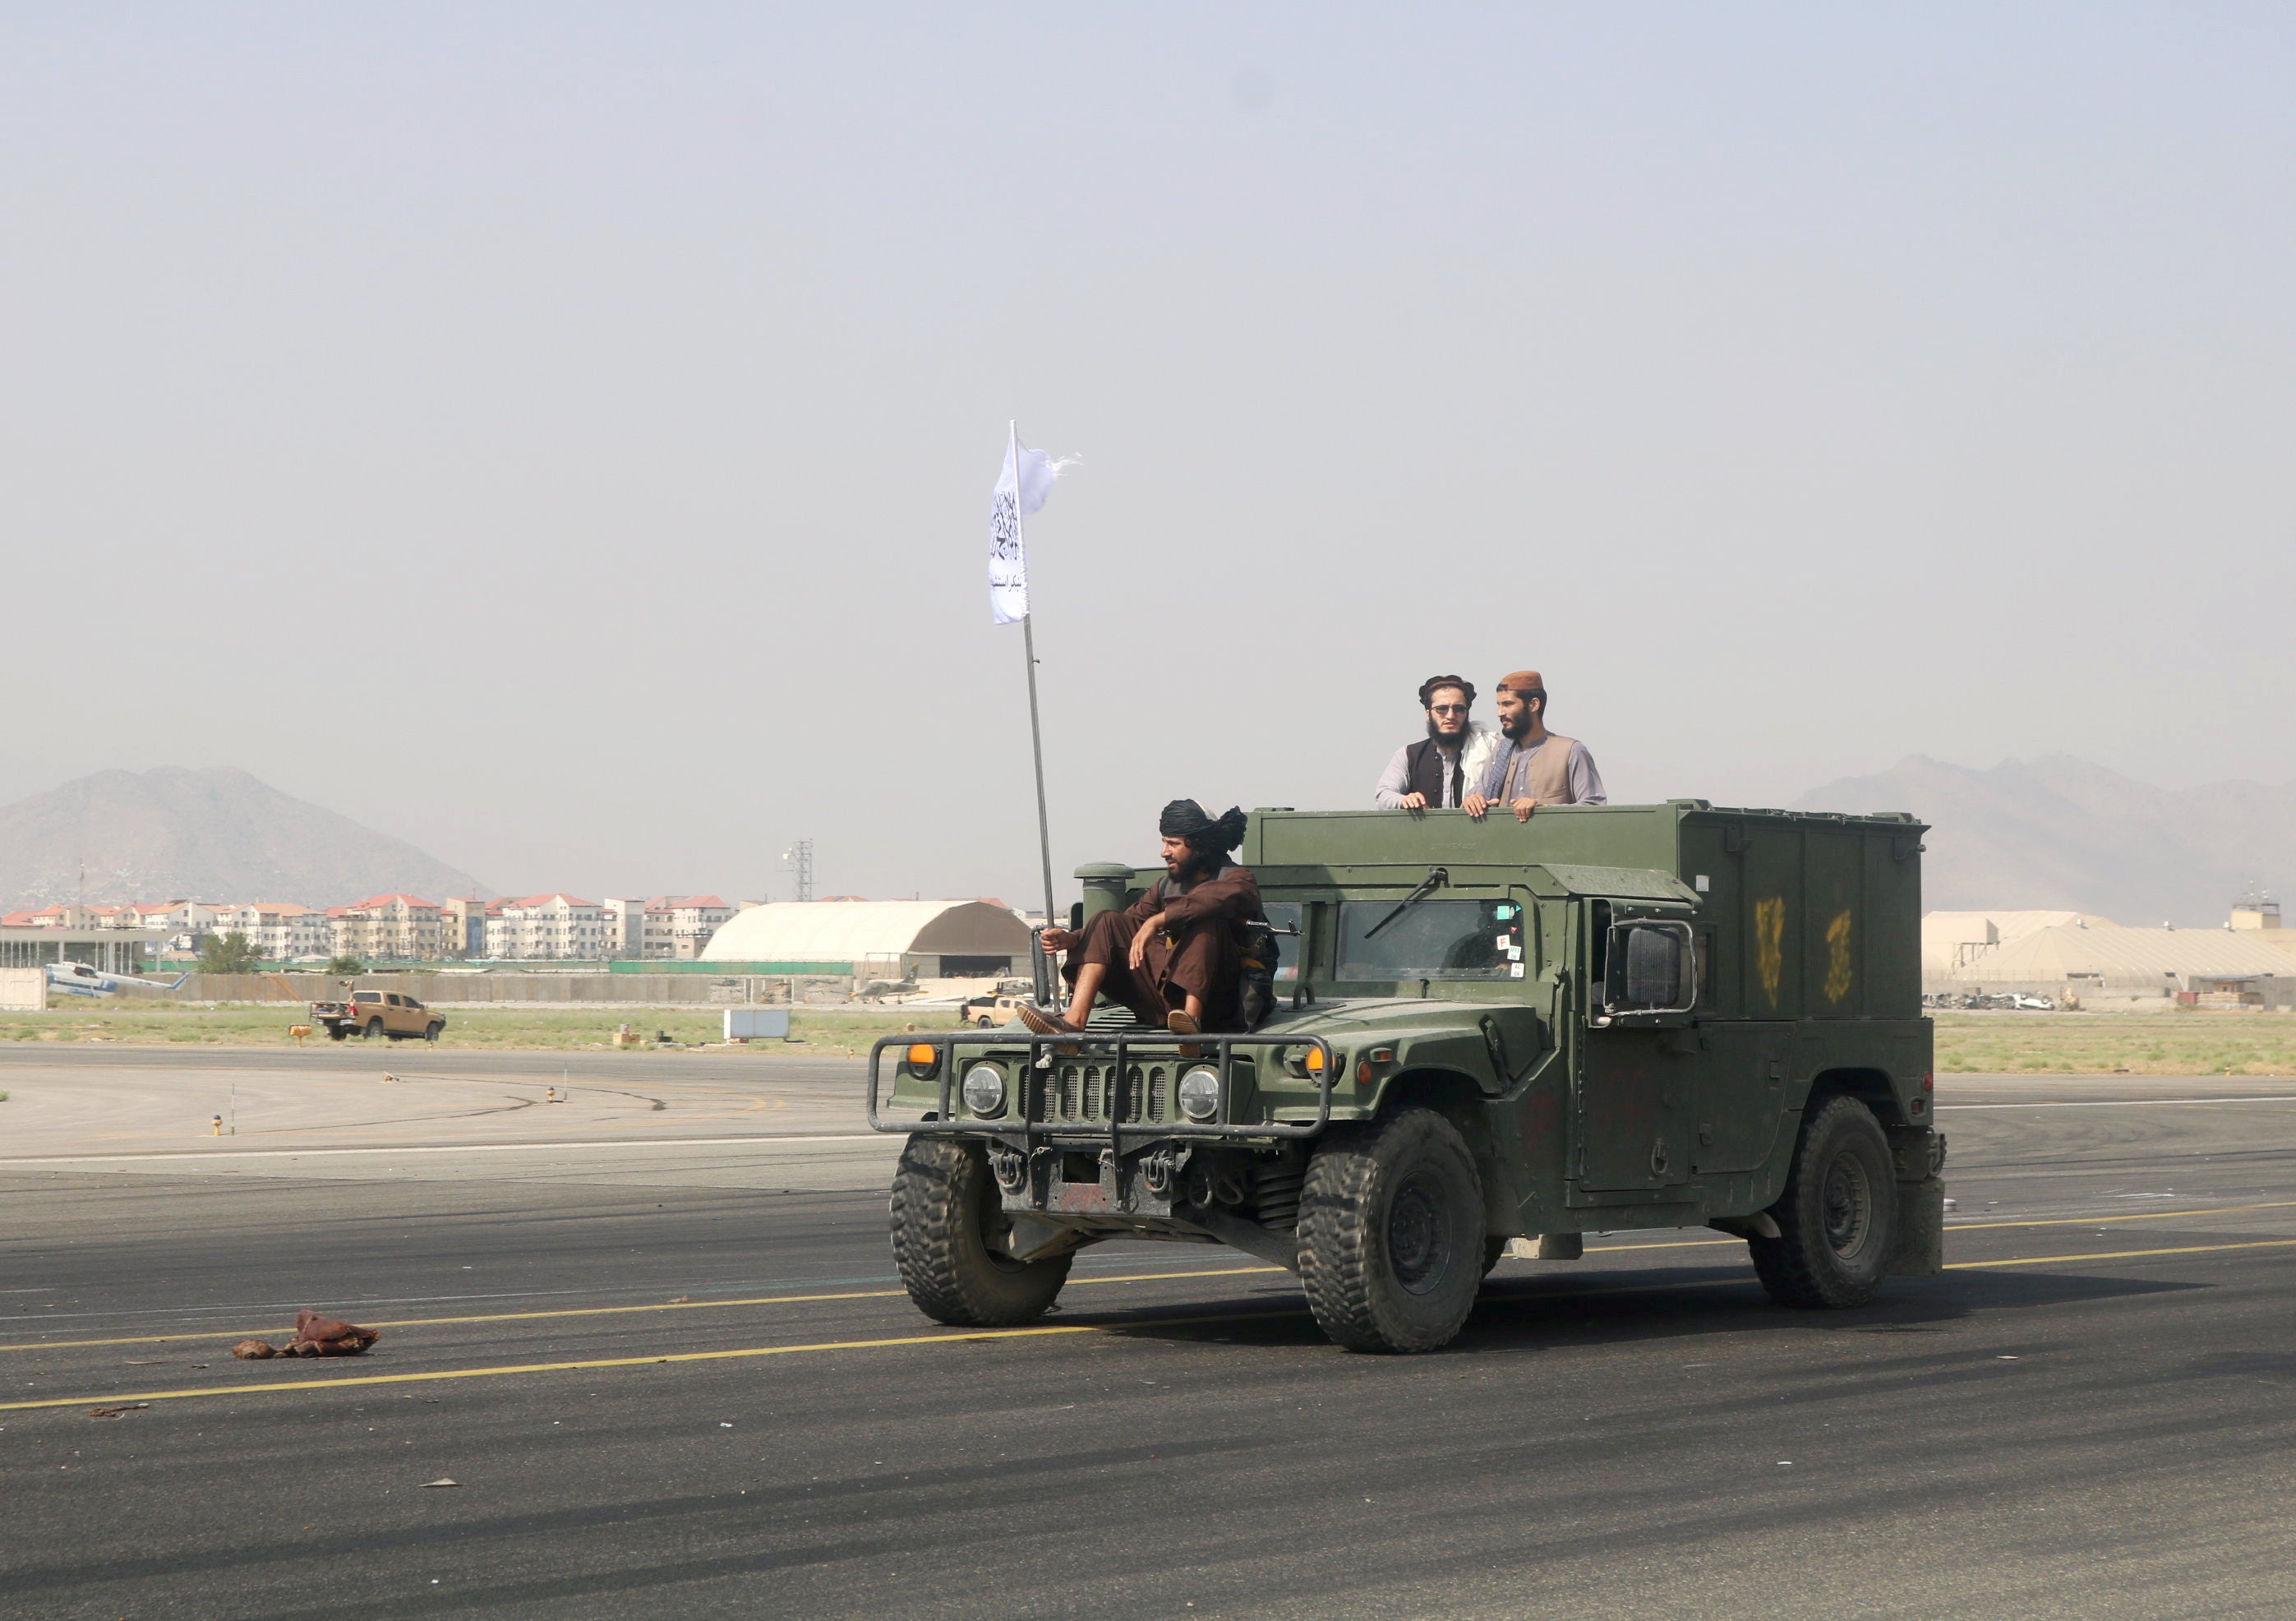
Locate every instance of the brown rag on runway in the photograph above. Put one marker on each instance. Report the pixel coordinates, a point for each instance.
(315, 1336)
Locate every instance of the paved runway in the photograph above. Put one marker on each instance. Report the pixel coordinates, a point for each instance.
(660, 1395)
(353, 1113)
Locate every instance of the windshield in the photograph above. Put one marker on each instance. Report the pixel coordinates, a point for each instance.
(1432, 939)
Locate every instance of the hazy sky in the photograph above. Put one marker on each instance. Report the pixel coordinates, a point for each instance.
(562, 435)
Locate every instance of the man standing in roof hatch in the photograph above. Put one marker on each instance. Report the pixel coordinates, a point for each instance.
(1534, 767)
(1438, 771)
(1175, 956)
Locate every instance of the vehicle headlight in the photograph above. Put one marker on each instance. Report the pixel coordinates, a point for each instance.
(1199, 1094)
(984, 1089)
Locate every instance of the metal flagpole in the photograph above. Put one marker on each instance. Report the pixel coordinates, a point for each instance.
(1029, 649)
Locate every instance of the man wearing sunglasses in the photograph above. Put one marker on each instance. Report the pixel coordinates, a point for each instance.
(1440, 770)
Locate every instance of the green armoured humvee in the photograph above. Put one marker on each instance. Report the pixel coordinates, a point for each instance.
(1608, 1017)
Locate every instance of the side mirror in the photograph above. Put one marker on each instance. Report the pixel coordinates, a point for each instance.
(1040, 969)
(1651, 968)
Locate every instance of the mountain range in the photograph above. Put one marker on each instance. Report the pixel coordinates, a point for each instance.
(2049, 834)
(2059, 834)
(216, 834)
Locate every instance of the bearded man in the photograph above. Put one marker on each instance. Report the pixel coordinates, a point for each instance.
(1534, 767)
(1441, 768)
(1175, 956)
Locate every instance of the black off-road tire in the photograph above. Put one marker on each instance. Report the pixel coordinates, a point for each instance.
(1391, 1241)
(373, 1029)
(430, 1032)
(985, 1023)
(943, 1207)
(1837, 1218)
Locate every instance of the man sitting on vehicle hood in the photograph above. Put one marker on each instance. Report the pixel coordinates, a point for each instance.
(1174, 956)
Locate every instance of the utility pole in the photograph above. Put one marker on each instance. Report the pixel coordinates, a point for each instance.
(798, 859)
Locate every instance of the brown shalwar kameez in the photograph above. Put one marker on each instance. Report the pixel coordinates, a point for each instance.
(1197, 952)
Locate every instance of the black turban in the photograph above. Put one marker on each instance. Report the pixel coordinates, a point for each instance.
(1184, 818)
(1427, 688)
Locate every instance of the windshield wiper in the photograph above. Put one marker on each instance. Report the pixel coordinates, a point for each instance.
(1437, 876)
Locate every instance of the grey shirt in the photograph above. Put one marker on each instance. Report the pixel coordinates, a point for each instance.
(1586, 781)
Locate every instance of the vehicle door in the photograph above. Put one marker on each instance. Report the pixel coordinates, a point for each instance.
(1630, 1125)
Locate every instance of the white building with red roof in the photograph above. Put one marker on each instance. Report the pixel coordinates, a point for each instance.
(532, 928)
(388, 928)
(678, 927)
(279, 931)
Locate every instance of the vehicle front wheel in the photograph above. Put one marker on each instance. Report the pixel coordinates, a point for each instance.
(430, 1032)
(948, 1225)
(1837, 1218)
(1391, 1241)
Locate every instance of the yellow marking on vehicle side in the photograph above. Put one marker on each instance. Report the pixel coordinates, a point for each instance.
(1769, 945)
(620, 1311)
(1838, 971)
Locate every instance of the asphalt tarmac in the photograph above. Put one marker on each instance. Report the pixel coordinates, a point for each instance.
(663, 1395)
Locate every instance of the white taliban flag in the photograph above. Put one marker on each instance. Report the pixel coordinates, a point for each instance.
(1020, 489)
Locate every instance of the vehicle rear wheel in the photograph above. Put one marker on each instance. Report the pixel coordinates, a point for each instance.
(373, 1029)
(430, 1032)
(986, 1022)
(1391, 1242)
(1837, 1218)
(946, 1213)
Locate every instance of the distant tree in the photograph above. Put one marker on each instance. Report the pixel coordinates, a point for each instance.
(345, 964)
(227, 954)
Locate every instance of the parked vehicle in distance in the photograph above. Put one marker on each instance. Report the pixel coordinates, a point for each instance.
(376, 1014)
(990, 1012)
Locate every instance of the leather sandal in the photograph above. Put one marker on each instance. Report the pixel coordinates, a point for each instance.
(1048, 1023)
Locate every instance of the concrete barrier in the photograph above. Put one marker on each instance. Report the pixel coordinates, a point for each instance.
(23, 990)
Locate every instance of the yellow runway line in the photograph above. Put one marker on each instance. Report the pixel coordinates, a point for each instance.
(1235, 1272)
(363, 1380)
(2134, 1215)
(2123, 1255)
(667, 1306)
(646, 1362)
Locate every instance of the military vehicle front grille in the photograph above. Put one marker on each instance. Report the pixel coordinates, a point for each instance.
(1077, 1093)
